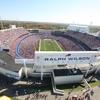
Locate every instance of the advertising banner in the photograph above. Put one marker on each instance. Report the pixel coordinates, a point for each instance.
(60, 58)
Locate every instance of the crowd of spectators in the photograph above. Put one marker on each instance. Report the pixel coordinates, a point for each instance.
(10, 38)
(27, 46)
(67, 43)
(92, 41)
(18, 91)
(12, 50)
(7, 37)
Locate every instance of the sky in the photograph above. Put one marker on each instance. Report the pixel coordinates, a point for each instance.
(54, 11)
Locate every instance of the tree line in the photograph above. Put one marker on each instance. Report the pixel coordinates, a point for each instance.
(33, 25)
(41, 25)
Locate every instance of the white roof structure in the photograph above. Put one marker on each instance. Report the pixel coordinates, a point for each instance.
(12, 26)
(98, 34)
(79, 28)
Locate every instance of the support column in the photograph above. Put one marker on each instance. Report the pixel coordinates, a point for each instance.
(41, 68)
(88, 69)
(41, 72)
(33, 66)
(25, 68)
(75, 66)
(97, 69)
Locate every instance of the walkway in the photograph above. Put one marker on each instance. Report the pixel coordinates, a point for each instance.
(12, 87)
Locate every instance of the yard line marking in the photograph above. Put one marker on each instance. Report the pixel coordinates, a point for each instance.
(54, 46)
(58, 45)
(44, 45)
(39, 44)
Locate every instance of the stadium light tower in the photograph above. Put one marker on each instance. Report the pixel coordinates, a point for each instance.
(18, 22)
(1, 23)
(91, 23)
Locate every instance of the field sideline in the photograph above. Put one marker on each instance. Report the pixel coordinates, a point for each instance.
(49, 45)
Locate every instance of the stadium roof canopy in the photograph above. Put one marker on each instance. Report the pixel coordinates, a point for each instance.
(79, 28)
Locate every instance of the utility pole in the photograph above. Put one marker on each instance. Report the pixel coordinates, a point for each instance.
(1, 23)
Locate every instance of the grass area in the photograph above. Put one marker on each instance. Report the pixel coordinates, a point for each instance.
(50, 45)
(66, 87)
(69, 87)
(94, 83)
(61, 46)
(14, 98)
(78, 86)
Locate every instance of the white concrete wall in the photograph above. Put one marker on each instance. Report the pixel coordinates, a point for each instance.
(27, 61)
(30, 72)
(68, 79)
(9, 73)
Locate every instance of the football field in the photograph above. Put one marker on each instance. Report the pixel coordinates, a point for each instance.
(49, 45)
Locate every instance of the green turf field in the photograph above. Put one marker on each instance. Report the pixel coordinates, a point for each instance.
(49, 45)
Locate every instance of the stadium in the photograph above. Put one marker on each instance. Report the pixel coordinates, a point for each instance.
(65, 56)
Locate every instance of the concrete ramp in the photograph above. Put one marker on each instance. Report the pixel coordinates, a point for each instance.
(88, 87)
(56, 91)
